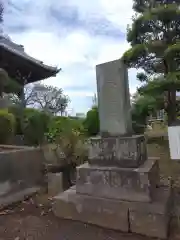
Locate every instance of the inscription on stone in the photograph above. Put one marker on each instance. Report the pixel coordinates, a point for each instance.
(95, 177)
(115, 180)
(110, 178)
(106, 177)
(108, 149)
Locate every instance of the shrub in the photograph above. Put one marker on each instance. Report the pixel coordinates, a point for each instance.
(7, 123)
(138, 121)
(68, 135)
(72, 144)
(138, 128)
(17, 112)
(60, 124)
(91, 123)
(68, 145)
(35, 125)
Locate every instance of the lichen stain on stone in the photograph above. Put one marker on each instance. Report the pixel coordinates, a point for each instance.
(78, 175)
(94, 150)
(108, 211)
(88, 179)
(79, 208)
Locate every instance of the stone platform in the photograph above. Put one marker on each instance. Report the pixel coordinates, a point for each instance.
(151, 219)
(131, 184)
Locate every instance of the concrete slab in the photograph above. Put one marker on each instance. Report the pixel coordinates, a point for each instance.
(99, 211)
(131, 184)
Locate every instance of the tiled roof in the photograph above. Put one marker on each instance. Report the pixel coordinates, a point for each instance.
(19, 51)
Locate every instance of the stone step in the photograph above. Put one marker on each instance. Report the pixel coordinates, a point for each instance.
(151, 219)
(99, 211)
(17, 196)
(131, 184)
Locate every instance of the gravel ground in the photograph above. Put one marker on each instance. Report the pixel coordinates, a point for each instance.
(33, 219)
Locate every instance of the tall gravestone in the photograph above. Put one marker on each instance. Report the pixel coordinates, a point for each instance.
(113, 99)
(118, 187)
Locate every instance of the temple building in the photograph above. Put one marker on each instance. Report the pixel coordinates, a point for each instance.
(20, 66)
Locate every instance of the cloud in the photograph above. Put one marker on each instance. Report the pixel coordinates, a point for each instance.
(74, 35)
(94, 25)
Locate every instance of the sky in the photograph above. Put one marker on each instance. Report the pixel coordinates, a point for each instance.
(74, 35)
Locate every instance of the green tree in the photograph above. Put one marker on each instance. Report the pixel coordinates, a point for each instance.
(155, 48)
(12, 87)
(142, 107)
(34, 125)
(7, 123)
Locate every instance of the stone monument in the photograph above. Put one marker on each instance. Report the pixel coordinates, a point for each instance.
(119, 186)
(113, 99)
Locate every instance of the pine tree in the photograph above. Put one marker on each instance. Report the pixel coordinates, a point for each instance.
(155, 47)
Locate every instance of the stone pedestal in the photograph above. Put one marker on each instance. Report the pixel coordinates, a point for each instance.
(119, 198)
(132, 184)
(118, 151)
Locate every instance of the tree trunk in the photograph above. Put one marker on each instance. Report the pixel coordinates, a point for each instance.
(21, 96)
(170, 100)
(67, 173)
(171, 107)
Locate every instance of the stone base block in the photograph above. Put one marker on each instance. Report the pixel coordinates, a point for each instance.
(152, 219)
(149, 219)
(131, 184)
(99, 211)
(118, 151)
